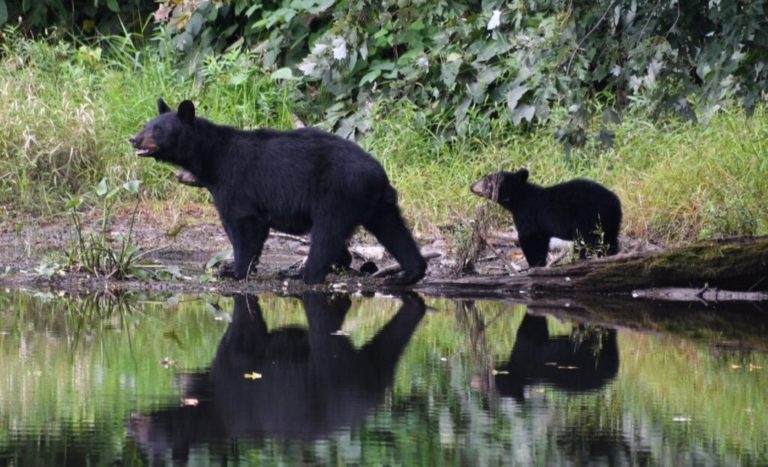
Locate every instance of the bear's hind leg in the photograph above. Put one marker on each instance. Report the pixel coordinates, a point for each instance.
(388, 226)
(343, 259)
(611, 239)
(328, 248)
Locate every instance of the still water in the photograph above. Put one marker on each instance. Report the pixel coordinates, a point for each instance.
(320, 380)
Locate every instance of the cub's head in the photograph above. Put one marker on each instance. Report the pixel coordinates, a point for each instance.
(168, 137)
(501, 186)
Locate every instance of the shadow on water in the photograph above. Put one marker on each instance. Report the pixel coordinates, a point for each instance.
(290, 383)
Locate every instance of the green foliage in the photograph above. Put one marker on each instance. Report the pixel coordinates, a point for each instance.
(68, 110)
(98, 253)
(580, 246)
(521, 61)
(82, 16)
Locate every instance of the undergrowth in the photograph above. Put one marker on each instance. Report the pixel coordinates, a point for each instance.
(68, 110)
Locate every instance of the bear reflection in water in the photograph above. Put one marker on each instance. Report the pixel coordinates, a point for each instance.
(313, 381)
(584, 361)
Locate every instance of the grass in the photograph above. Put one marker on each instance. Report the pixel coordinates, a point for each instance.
(68, 110)
(676, 181)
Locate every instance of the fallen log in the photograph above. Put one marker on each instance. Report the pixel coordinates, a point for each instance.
(729, 268)
(705, 295)
(738, 264)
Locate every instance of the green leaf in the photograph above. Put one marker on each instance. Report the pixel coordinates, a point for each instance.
(132, 186)
(369, 77)
(448, 73)
(74, 202)
(284, 73)
(523, 112)
(252, 9)
(514, 97)
(218, 258)
(3, 12)
(112, 193)
(112, 5)
(101, 188)
(195, 24)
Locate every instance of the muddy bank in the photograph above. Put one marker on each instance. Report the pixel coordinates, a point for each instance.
(32, 255)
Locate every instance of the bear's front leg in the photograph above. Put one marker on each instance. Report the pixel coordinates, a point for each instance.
(535, 248)
(247, 237)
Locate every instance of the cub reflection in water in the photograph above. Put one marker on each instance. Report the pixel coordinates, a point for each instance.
(291, 382)
(584, 361)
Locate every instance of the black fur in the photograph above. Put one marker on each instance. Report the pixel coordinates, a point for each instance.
(570, 211)
(298, 181)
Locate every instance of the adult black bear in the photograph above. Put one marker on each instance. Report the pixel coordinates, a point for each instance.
(299, 181)
(578, 209)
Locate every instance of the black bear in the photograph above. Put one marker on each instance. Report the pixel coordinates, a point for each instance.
(299, 181)
(574, 210)
(313, 382)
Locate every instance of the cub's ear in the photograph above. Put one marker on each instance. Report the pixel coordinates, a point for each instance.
(523, 174)
(186, 112)
(162, 107)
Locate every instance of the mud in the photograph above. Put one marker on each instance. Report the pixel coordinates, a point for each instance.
(33, 255)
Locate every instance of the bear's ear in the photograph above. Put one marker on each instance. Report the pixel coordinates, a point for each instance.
(186, 112)
(523, 174)
(162, 107)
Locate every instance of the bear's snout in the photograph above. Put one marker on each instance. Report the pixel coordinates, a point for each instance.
(144, 144)
(479, 188)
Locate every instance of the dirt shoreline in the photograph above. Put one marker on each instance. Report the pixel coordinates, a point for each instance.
(186, 238)
(25, 247)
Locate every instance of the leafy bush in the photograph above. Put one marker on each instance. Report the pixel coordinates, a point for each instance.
(518, 60)
(82, 16)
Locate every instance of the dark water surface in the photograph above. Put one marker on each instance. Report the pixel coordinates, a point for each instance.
(321, 380)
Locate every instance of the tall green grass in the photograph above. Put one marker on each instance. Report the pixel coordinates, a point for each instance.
(677, 181)
(67, 110)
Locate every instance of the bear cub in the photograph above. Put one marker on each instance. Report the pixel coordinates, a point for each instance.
(575, 210)
(299, 181)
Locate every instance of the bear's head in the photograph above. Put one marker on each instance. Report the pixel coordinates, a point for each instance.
(501, 186)
(168, 137)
